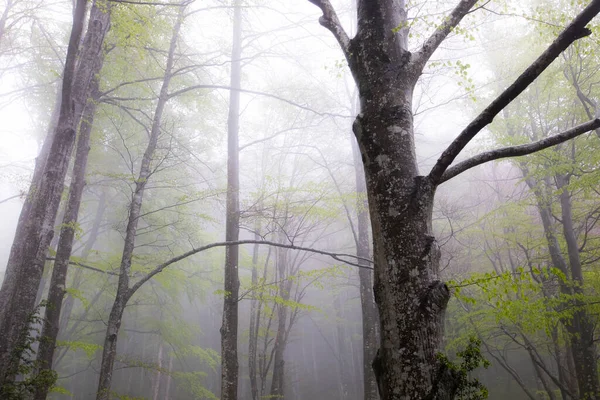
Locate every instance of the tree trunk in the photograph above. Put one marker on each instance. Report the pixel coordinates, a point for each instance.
(35, 229)
(579, 329)
(77, 278)
(156, 389)
(370, 332)
(582, 341)
(229, 328)
(57, 292)
(254, 322)
(278, 381)
(124, 292)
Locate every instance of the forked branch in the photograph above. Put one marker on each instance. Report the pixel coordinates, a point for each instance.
(442, 31)
(520, 150)
(570, 34)
(330, 20)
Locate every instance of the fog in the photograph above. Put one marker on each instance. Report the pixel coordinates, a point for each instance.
(197, 212)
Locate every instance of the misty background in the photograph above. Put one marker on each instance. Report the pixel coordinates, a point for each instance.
(298, 187)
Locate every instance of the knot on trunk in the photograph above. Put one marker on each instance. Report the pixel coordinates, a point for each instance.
(435, 298)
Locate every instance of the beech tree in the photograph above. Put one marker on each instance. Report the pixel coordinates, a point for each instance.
(408, 291)
(36, 222)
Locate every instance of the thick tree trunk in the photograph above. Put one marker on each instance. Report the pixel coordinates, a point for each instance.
(368, 307)
(57, 292)
(124, 292)
(229, 327)
(35, 229)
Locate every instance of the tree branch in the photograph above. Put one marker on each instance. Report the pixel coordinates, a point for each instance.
(520, 150)
(161, 267)
(85, 267)
(442, 31)
(150, 3)
(575, 30)
(330, 20)
(272, 96)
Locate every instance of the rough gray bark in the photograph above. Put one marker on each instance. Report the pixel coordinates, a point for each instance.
(231, 283)
(410, 296)
(124, 291)
(58, 280)
(35, 228)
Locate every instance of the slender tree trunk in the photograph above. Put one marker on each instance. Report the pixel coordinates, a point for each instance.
(156, 389)
(124, 293)
(58, 281)
(370, 316)
(168, 388)
(35, 229)
(229, 328)
(584, 348)
(78, 276)
(254, 322)
(580, 331)
(278, 381)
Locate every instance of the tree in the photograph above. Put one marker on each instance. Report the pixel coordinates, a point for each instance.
(35, 229)
(410, 296)
(56, 292)
(229, 329)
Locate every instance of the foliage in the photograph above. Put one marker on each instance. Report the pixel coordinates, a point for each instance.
(467, 388)
(23, 365)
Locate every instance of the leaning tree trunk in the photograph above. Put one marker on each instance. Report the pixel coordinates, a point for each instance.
(229, 328)
(124, 292)
(58, 280)
(34, 232)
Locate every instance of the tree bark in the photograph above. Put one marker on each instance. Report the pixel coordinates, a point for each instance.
(229, 327)
(58, 280)
(35, 230)
(408, 292)
(124, 292)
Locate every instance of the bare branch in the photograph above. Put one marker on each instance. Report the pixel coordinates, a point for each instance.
(150, 3)
(521, 150)
(161, 267)
(330, 20)
(442, 31)
(272, 96)
(575, 30)
(78, 264)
